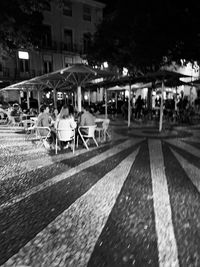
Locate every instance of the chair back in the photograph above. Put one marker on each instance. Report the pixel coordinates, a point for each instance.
(65, 134)
(105, 124)
(43, 131)
(91, 130)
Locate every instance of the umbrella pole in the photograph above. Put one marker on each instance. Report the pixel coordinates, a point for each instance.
(89, 96)
(72, 97)
(75, 100)
(55, 98)
(20, 101)
(116, 100)
(38, 97)
(28, 100)
(161, 109)
(106, 105)
(129, 106)
(79, 98)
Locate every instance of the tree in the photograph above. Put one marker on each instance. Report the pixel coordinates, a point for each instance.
(140, 34)
(20, 24)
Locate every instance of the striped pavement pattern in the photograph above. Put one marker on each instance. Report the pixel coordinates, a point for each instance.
(129, 203)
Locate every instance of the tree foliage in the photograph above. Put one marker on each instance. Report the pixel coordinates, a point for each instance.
(143, 33)
(20, 24)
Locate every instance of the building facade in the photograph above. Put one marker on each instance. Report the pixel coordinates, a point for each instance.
(67, 32)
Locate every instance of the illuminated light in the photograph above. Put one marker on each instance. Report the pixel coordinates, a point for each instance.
(61, 72)
(105, 64)
(48, 95)
(97, 80)
(126, 93)
(23, 55)
(125, 71)
(59, 95)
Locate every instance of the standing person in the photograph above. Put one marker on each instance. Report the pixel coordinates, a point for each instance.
(138, 107)
(124, 109)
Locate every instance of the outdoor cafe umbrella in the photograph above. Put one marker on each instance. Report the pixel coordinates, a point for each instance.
(161, 75)
(76, 74)
(130, 87)
(79, 75)
(164, 76)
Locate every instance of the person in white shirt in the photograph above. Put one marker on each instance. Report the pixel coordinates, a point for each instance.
(66, 122)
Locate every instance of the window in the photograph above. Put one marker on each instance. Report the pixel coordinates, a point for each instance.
(86, 12)
(68, 61)
(68, 40)
(46, 36)
(47, 63)
(67, 8)
(86, 42)
(24, 65)
(23, 61)
(1, 67)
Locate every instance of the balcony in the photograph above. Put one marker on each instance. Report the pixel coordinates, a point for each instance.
(60, 47)
(28, 74)
(74, 48)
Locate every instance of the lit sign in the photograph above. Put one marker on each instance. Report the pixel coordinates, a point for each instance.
(23, 55)
(59, 96)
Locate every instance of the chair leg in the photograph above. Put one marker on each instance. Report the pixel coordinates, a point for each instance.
(85, 144)
(74, 145)
(56, 150)
(77, 138)
(95, 142)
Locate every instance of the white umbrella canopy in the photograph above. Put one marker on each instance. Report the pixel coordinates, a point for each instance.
(80, 75)
(63, 79)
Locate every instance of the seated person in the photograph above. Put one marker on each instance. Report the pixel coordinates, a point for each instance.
(86, 118)
(66, 121)
(54, 114)
(16, 113)
(64, 111)
(45, 121)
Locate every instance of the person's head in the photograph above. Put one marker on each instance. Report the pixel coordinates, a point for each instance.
(15, 106)
(44, 109)
(55, 111)
(85, 108)
(64, 113)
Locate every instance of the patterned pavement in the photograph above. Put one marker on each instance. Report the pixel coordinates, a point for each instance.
(134, 201)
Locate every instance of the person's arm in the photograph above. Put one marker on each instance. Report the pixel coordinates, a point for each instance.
(82, 120)
(73, 123)
(39, 121)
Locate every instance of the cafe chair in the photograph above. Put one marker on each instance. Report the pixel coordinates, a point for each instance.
(65, 135)
(42, 135)
(86, 133)
(102, 128)
(30, 129)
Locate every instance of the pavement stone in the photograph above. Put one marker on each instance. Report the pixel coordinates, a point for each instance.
(59, 221)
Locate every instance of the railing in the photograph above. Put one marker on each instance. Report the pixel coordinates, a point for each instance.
(62, 46)
(28, 74)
